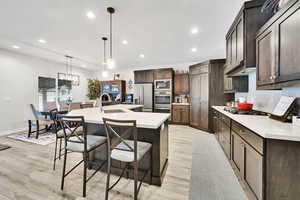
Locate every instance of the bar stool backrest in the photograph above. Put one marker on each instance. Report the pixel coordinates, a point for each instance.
(117, 131)
(73, 124)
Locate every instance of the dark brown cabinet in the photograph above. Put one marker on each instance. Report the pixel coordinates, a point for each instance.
(278, 49)
(180, 114)
(143, 76)
(164, 73)
(241, 37)
(206, 89)
(181, 83)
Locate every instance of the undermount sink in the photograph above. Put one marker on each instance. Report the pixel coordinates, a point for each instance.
(114, 111)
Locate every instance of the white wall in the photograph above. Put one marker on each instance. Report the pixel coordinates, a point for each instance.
(19, 86)
(266, 100)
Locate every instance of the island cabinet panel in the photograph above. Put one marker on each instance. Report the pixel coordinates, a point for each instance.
(143, 76)
(278, 49)
(181, 83)
(240, 38)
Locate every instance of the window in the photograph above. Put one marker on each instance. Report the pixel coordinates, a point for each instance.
(54, 93)
(47, 93)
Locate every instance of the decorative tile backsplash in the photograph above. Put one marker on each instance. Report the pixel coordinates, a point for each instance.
(266, 100)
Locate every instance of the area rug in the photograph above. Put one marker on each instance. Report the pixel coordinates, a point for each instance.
(3, 147)
(44, 138)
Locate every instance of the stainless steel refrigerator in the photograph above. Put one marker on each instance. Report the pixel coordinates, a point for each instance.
(143, 94)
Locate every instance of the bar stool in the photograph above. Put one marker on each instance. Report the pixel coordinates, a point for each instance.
(79, 142)
(129, 152)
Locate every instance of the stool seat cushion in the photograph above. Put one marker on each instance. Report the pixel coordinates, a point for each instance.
(93, 141)
(127, 156)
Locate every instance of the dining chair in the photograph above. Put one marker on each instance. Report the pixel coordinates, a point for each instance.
(78, 141)
(39, 120)
(59, 134)
(127, 151)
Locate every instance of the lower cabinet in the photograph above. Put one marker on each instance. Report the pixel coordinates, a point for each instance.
(181, 114)
(242, 147)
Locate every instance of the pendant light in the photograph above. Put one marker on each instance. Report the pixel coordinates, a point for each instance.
(110, 62)
(104, 72)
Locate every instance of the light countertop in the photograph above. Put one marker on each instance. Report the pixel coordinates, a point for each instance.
(123, 106)
(264, 126)
(181, 104)
(143, 119)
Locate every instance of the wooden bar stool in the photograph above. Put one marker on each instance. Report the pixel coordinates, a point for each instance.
(77, 140)
(129, 152)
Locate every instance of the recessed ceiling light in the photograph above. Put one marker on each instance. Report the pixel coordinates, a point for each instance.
(194, 49)
(90, 15)
(15, 47)
(194, 30)
(142, 56)
(42, 41)
(125, 42)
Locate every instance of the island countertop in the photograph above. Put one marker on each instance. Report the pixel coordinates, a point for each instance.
(264, 126)
(143, 119)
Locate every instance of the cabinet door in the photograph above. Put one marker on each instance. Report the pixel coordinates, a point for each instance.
(289, 46)
(266, 56)
(195, 100)
(225, 143)
(238, 151)
(139, 76)
(234, 48)
(204, 101)
(254, 171)
(185, 116)
(240, 41)
(227, 83)
(228, 51)
(181, 84)
(176, 115)
(163, 74)
(148, 76)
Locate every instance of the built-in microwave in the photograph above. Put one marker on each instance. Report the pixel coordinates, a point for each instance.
(165, 84)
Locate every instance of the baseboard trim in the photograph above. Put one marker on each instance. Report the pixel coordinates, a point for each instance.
(8, 132)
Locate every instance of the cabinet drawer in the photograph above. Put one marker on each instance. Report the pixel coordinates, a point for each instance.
(181, 107)
(225, 119)
(250, 137)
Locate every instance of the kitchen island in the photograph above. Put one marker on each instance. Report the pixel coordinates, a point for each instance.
(152, 128)
(265, 153)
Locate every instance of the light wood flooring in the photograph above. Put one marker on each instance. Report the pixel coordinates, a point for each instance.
(26, 173)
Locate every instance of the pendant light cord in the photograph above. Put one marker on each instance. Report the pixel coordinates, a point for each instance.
(111, 43)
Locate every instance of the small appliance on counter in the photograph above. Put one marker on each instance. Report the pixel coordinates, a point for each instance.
(129, 98)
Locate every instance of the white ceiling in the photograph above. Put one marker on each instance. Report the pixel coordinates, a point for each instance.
(159, 29)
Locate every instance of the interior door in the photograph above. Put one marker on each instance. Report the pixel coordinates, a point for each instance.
(195, 100)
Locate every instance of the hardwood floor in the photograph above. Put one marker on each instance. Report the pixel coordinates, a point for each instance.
(26, 173)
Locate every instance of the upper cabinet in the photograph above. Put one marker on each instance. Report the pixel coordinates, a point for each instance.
(163, 73)
(181, 83)
(143, 76)
(278, 49)
(240, 39)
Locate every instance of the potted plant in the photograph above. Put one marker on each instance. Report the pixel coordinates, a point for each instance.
(93, 89)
